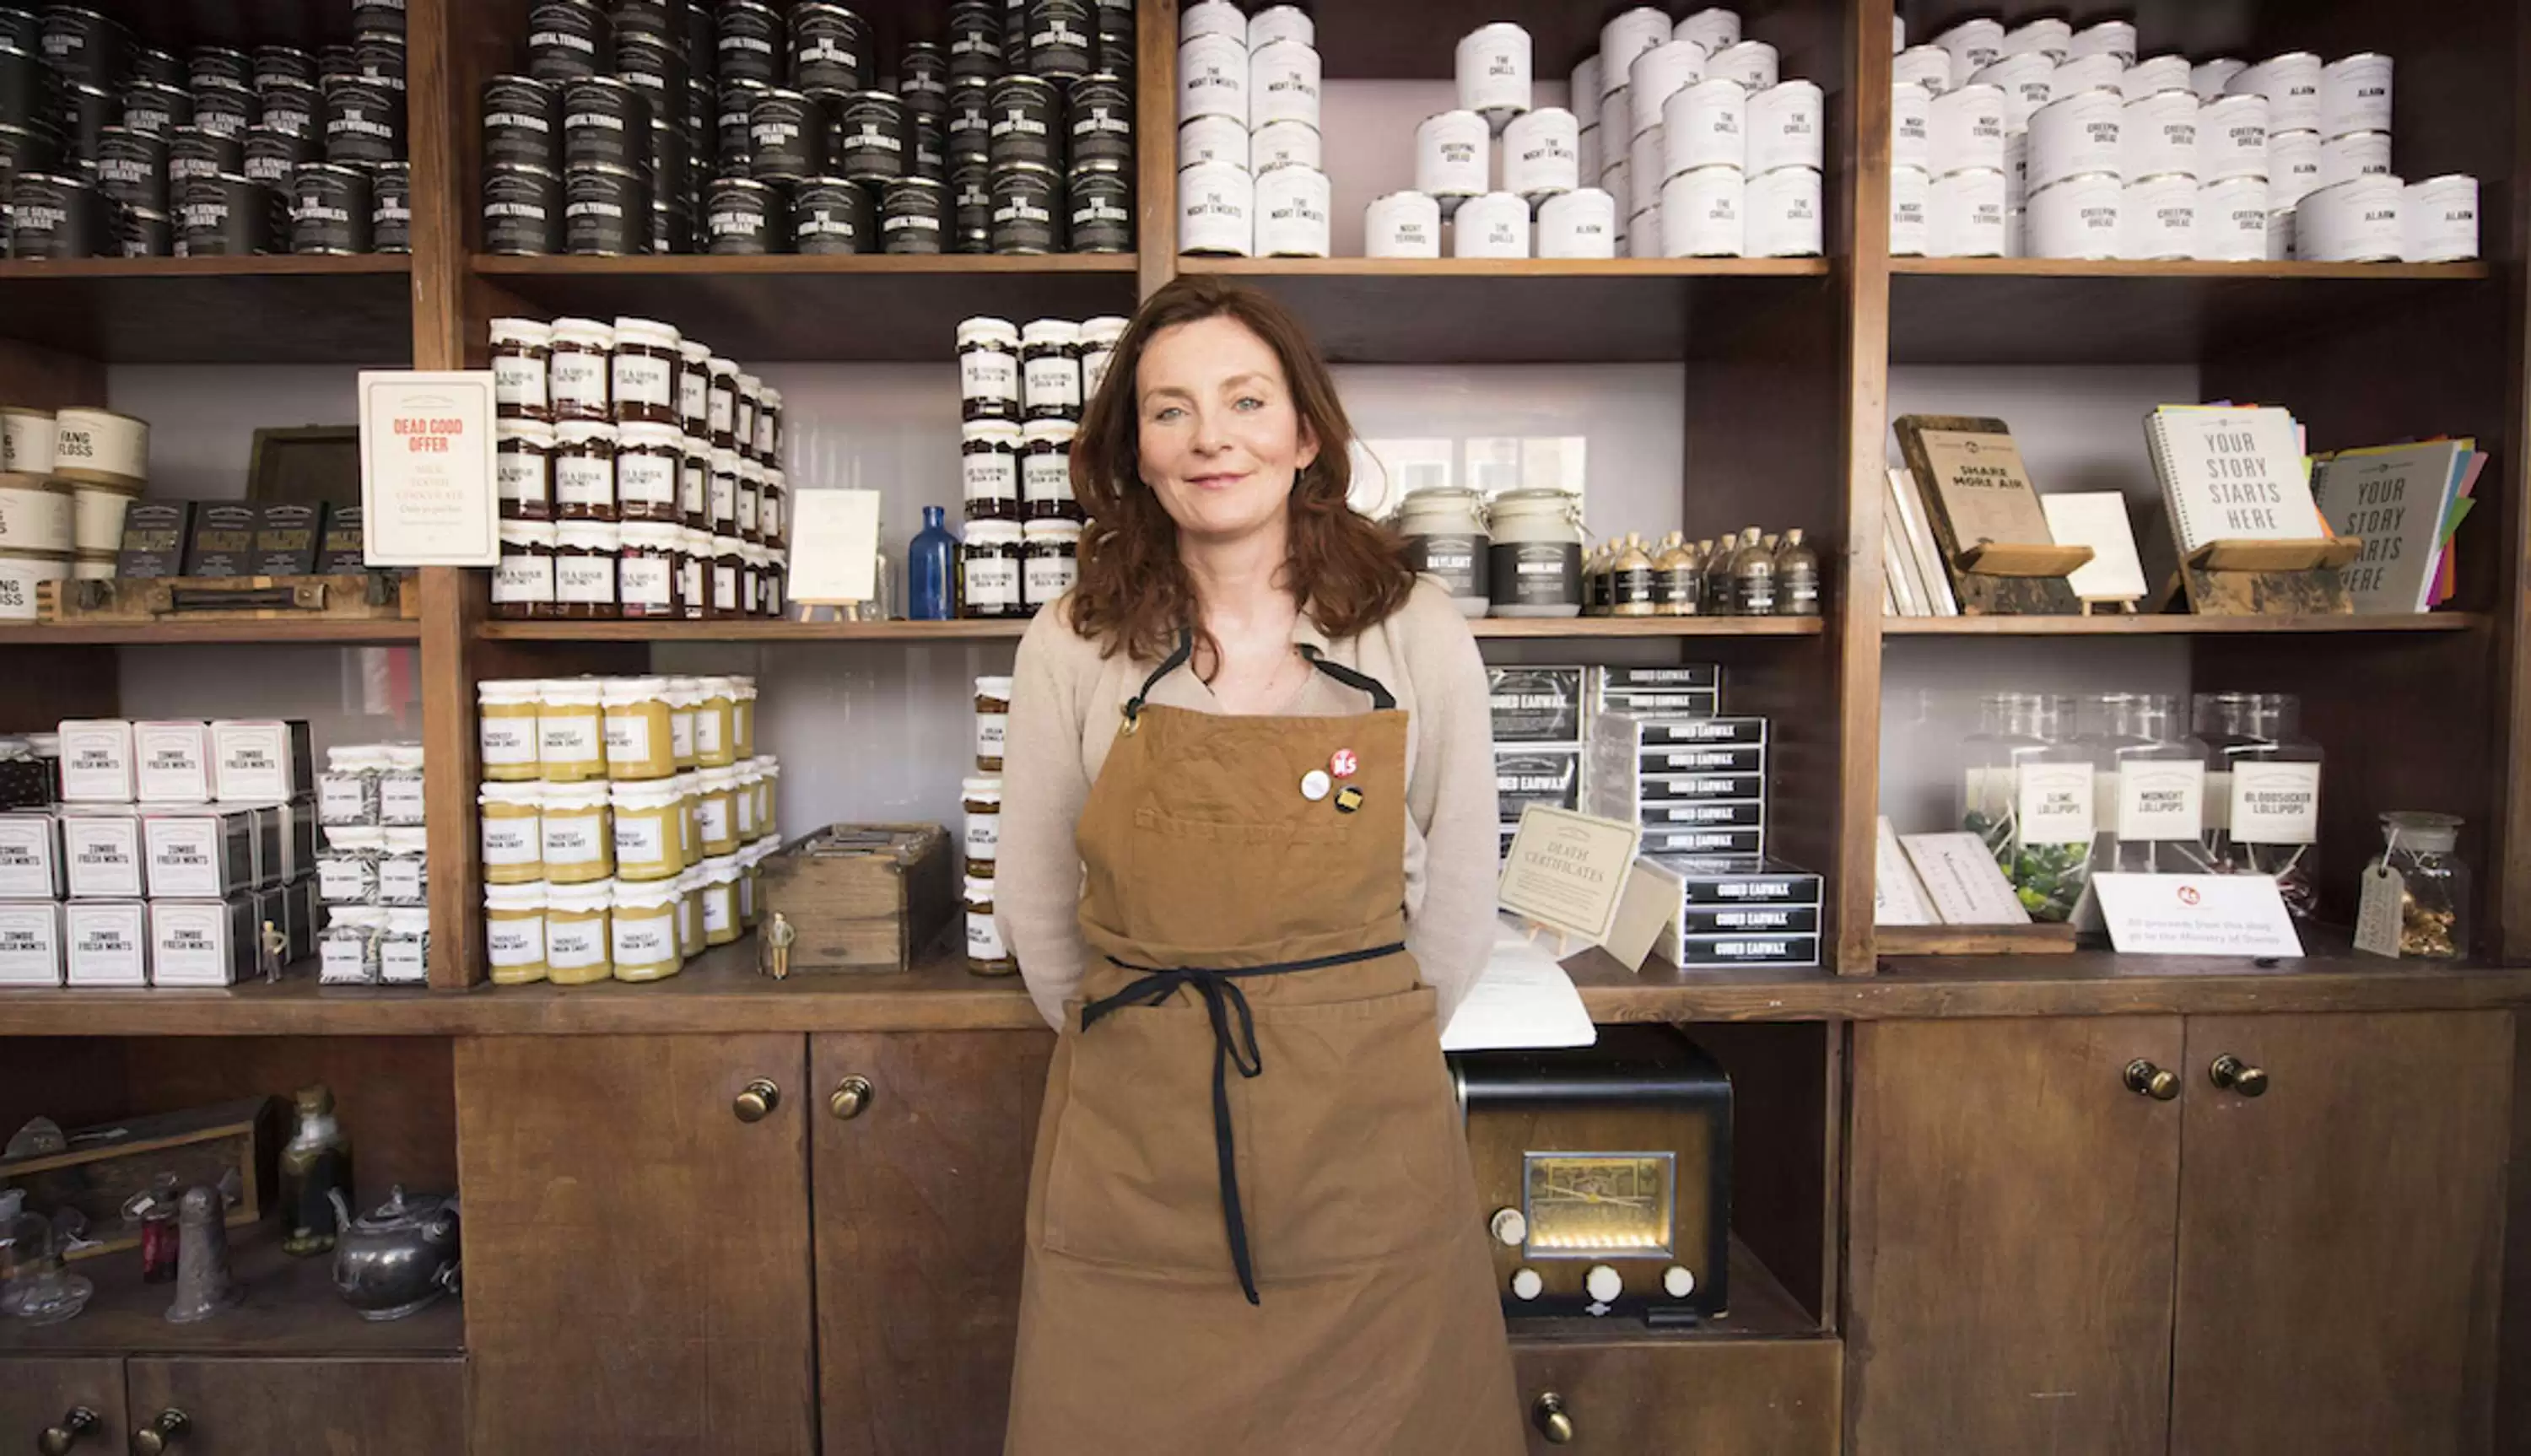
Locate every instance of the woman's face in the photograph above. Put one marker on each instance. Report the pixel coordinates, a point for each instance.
(1220, 439)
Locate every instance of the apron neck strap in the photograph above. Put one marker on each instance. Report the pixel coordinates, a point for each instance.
(1382, 700)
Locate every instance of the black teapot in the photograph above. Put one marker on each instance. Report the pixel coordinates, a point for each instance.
(396, 1259)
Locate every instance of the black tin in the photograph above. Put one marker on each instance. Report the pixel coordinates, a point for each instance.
(26, 89)
(194, 153)
(923, 79)
(672, 167)
(644, 17)
(331, 210)
(930, 147)
(786, 137)
(740, 215)
(219, 67)
(363, 124)
(831, 48)
(1115, 48)
(521, 116)
(379, 59)
(272, 157)
(86, 111)
(672, 224)
(1101, 120)
(970, 126)
(750, 44)
(159, 67)
(734, 146)
(522, 209)
(20, 30)
(227, 217)
(156, 107)
(140, 233)
(1025, 115)
(56, 216)
(83, 46)
(378, 17)
(833, 215)
(974, 40)
(293, 108)
(568, 39)
(971, 208)
(914, 216)
(657, 69)
(605, 211)
(334, 64)
(1029, 215)
(391, 207)
(1100, 202)
(280, 65)
(28, 150)
(605, 122)
(872, 140)
(131, 168)
(1062, 43)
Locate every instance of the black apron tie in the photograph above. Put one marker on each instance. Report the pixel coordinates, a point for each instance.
(1222, 997)
(1382, 700)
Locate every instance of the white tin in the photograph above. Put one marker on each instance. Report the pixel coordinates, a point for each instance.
(2356, 94)
(25, 440)
(2077, 217)
(2281, 232)
(2027, 81)
(1283, 85)
(2232, 220)
(1215, 204)
(1965, 215)
(1617, 181)
(1967, 128)
(1625, 36)
(2158, 217)
(1452, 154)
(1704, 126)
(2356, 154)
(2232, 138)
(2084, 72)
(21, 576)
(101, 447)
(2047, 36)
(2294, 167)
(1494, 67)
(1583, 88)
(2104, 38)
(1911, 125)
(1782, 209)
(36, 514)
(2157, 135)
(1910, 199)
(2075, 135)
(1712, 27)
(1213, 76)
(1277, 23)
(1495, 225)
(1578, 224)
(2291, 85)
(1703, 213)
(1647, 156)
(1212, 18)
(1783, 123)
(2154, 73)
(1656, 76)
(1592, 161)
(1644, 233)
(1213, 139)
(1928, 66)
(1402, 225)
(2351, 222)
(2439, 220)
(1972, 43)
(1542, 154)
(1292, 214)
(2210, 78)
(1752, 63)
(1616, 121)
(1285, 143)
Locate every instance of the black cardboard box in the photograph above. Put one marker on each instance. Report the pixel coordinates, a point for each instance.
(344, 543)
(223, 540)
(286, 537)
(156, 535)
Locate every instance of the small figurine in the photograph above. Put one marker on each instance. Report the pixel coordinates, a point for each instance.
(271, 947)
(773, 947)
(316, 1161)
(204, 1287)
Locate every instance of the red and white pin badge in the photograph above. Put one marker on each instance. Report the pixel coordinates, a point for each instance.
(1344, 765)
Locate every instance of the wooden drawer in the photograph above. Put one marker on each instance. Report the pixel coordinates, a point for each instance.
(38, 1393)
(1712, 1396)
(304, 1407)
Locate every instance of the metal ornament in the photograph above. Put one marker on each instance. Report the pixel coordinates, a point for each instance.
(1348, 799)
(204, 1287)
(773, 947)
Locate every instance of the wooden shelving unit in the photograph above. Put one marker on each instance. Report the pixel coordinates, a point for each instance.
(2176, 624)
(348, 634)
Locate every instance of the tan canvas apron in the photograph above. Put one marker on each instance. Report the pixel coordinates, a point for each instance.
(1252, 1226)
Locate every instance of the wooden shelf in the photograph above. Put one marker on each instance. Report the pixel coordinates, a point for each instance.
(337, 310)
(858, 307)
(2175, 623)
(1513, 311)
(2066, 311)
(348, 634)
(1568, 629)
(289, 1308)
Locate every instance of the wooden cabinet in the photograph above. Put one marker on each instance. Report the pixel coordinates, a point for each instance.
(2342, 1234)
(38, 1395)
(637, 1249)
(2044, 1259)
(921, 1194)
(301, 1407)
(2010, 1236)
(1779, 1397)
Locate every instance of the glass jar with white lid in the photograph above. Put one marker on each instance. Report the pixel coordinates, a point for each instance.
(2262, 790)
(2148, 779)
(1535, 555)
(2027, 791)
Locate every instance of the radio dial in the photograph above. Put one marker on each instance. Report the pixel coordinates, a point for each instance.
(1605, 1283)
(1526, 1285)
(1678, 1281)
(1510, 1227)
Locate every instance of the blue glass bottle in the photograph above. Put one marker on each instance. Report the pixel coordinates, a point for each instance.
(932, 570)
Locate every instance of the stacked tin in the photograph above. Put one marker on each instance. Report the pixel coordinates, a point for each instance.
(110, 146)
(2049, 141)
(739, 128)
(1250, 174)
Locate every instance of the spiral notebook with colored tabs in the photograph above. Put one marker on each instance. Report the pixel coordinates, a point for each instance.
(2233, 472)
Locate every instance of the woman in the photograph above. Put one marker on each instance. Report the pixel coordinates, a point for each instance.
(1246, 867)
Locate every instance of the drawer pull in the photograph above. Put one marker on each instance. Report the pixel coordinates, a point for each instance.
(2146, 1080)
(2238, 1076)
(852, 1098)
(1546, 1413)
(76, 1421)
(758, 1101)
(154, 1439)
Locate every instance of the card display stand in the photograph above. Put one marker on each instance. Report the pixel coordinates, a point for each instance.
(2267, 579)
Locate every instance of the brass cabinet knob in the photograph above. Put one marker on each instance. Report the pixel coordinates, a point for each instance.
(758, 1101)
(159, 1435)
(852, 1098)
(76, 1421)
(2229, 1071)
(2146, 1080)
(1546, 1413)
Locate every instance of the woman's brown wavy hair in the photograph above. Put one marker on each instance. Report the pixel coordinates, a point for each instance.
(1134, 593)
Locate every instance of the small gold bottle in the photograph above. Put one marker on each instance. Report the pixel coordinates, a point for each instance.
(1719, 599)
(1677, 580)
(1797, 577)
(1753, 577)
(1630, 584)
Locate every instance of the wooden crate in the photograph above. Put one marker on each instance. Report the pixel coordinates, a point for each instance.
(864, 896)
(107, 1164)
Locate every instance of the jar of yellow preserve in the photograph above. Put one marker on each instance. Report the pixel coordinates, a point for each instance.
(650, 830)
(689, 793)
(716, 727)
(514, 932)
(571, 732)
(742, 716)
(684, 695)
(645, 930)
(689, 914)
(639, 743)
(720, 900)
(769, 771)
(578, 950)
(751, 885)
(578, 847)
(505, 729)
(514, 851)
(715, 812)
(743, 779)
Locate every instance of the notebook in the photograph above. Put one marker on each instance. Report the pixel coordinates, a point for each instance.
(2397, 499)
(2231, 472)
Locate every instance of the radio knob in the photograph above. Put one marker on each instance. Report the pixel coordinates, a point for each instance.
(1678, 1281)
(1510, 1226)
(1526, 1285)
(1605, 1283)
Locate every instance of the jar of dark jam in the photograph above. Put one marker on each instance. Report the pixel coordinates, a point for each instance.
(721, 513)
(578, 369)
(650, 471)
(775, 507)
(694, 388)
(583, 471)
(644, 377)
(989, 466)
(1050, 369)
(721, 402)
(584, 570)
(521, 348)
(647, 570)
(989, 571)
(1050, 562)
(727, 566)
(694, 573)
(988, 369)
(693, 483)
(1045, 471)
(750, 501)
(523, 456)
(742, 428)
(522, 585)
(768, 424)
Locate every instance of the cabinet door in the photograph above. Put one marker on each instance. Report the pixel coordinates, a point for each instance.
(38, 1395)
(2011, 1238)
(637, 1254)
(1719, 1395)
(2341, 1236)
(303, 1407)
(922, 1194)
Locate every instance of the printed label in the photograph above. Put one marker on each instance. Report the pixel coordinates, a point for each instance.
(723, 499)
(989, 731)
(725, 589)
(681, 734)
(403, 961)
(582, 482)
(991, 477)
(512, 841)
(400, 800)
(984, 938)
(711, 732)
(641, 838)
(1536, 574)
(346, 879)
(1045, 478)
(402, 879)
(343, 959)
(104, 855)
(646, 581)
(2054, 803)
(645, 937)
(743, 806)
(711, 819)
(182, 859)
(515, 942)
(520, 476)
(993, 581)
(516, 380)
(1457, 561)
(983, 835)
(720, 909)
(640, 379)
(585, 579)
(646, 479)
(989, 374)
(343, 799)
(694, 489)
(579, 382)
(748, 499)
(30, 947)
(2274, 803)
(628, 738)
(1055, 382)
(27, 857)
(507, 741)
(575, 838)
(2378, 912)
(2161, 799)
(573, 944)
(1044, 579)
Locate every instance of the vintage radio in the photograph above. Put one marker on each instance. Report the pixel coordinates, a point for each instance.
(1604, 1175)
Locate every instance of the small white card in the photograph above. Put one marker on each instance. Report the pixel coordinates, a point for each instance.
(427, 468)
(2196, 915)
(2097, 519)
(834, 547)
(1897, 897)
(1568, 871)
(1960, 875)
